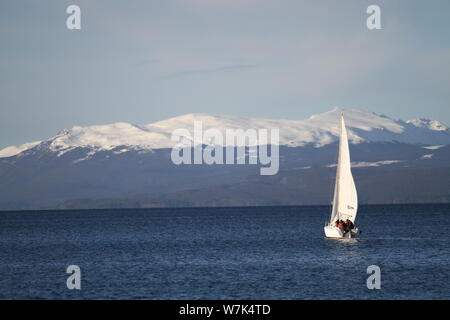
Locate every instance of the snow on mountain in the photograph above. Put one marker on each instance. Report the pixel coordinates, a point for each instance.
(107, 137)
(429, 124)
(319, 130)
(13, 150)
(362, 164)
(434, 147)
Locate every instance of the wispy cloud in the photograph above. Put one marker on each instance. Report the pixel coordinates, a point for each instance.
(230, 68)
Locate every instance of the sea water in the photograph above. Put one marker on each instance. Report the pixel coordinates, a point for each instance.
(225, 253)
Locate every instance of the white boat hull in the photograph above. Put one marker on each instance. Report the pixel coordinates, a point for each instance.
(335, 232)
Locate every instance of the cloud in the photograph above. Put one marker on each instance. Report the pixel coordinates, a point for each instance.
(237, 67)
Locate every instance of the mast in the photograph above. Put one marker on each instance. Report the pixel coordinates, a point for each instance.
(334, 211)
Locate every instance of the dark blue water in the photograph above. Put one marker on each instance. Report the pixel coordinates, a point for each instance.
(225, 253)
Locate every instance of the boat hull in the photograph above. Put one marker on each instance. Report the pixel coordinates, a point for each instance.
(335, 232)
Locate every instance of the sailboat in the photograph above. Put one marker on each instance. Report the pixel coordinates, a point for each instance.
(345, 198)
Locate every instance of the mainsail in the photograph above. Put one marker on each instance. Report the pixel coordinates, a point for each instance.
(345, 200)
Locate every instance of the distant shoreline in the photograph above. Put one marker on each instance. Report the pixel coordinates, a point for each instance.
(219, 207)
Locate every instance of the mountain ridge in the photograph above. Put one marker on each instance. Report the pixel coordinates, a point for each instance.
(123, 165)
(42, 179)
(319, 130)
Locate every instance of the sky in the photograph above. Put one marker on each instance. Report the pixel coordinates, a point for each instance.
(144, 61)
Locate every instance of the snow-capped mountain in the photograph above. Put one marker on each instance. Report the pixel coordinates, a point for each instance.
(318, 130)
(124, 165)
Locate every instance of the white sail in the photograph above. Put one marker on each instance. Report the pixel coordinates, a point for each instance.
(345, 200)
